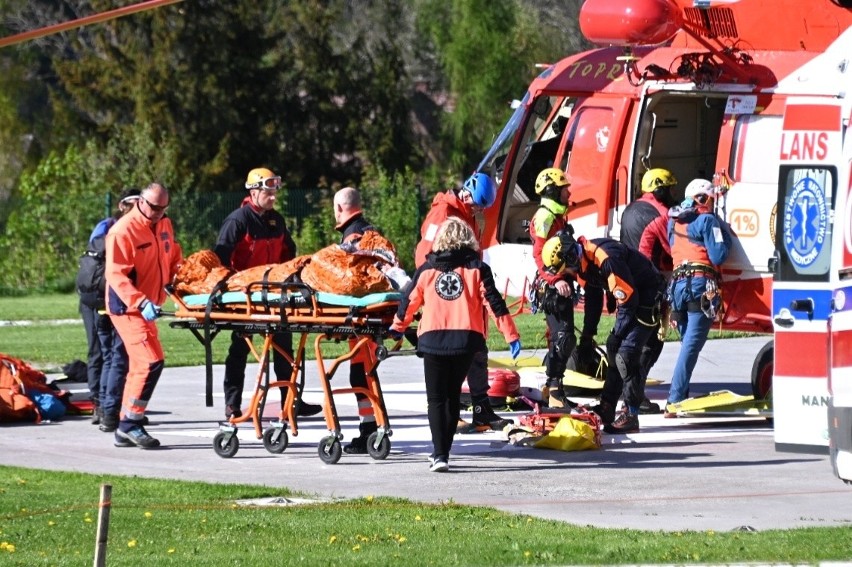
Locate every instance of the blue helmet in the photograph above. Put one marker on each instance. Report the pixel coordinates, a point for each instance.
(481, 189)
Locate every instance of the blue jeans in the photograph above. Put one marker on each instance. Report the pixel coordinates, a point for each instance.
(693, 327)
(114, 372)
(92, 323)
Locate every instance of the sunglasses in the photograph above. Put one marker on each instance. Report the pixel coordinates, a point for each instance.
(155, 208)
(702, 198)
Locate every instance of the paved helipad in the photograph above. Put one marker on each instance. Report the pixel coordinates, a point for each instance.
(676, 474)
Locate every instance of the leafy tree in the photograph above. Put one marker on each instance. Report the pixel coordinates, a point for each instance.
(41, 242)
(393, 203)
(475, 39)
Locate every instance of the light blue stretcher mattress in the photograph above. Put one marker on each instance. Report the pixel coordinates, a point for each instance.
(328, 299)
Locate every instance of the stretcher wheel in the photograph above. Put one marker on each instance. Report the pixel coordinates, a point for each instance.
(275, 443)
(381, 352)
(226, 445)
(381, 451)
(330, 450)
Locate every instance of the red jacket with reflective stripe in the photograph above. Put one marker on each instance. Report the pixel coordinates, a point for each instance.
(455, 288)
(546, 222)
(444, 205)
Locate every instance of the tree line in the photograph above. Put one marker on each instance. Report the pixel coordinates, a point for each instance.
(400, 98)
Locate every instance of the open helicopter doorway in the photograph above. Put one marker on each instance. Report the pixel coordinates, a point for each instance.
(679, 132)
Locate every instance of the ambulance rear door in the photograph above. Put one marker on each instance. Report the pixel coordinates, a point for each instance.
(810, 154)
(840, 326)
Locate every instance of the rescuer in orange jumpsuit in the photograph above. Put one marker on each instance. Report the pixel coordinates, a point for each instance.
(141, 258)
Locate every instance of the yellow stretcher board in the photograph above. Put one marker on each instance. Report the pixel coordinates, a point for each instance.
(723, 403)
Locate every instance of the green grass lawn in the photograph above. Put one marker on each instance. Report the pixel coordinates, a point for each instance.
(50, 518)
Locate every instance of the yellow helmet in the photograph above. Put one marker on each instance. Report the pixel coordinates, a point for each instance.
(561, 251)
(550, 176)
(657, 177)
(550, 254)
(262, 178)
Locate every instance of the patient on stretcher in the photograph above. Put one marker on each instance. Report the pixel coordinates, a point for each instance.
(356, 270)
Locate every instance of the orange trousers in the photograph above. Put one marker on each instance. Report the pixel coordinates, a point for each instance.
(358, 378)
(146, 360)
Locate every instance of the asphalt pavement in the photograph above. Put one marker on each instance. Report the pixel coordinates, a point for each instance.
(676, 474)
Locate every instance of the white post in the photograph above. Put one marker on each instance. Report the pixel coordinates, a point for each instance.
(103, 525)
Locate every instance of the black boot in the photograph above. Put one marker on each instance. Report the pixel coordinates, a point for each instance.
(97, 414)
(304, 409)
(648, 407)
(358, 445)
(109, 422)
(483, 414)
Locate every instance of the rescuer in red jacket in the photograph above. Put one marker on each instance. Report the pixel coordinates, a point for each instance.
(554, 291)
(254, 235)
(455, 288)
(644, 227)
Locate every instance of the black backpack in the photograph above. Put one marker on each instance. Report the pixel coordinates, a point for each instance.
(91, 283)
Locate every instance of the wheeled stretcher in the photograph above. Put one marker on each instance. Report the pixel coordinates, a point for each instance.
(267, 308)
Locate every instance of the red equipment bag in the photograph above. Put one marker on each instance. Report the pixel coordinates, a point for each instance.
(502, 383)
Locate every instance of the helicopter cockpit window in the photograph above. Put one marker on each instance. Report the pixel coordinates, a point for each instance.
(542, 142)
(494, 161)
(536, 131)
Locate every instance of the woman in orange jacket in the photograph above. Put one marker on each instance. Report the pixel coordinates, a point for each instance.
(455, 288)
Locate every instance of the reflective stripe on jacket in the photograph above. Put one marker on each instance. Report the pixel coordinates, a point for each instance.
(629, 276)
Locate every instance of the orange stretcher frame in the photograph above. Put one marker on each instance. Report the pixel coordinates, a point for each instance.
(267, 308)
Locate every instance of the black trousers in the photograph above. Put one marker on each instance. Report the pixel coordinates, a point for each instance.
(444, 378)
(477, 377)
(560, 325)
(235, 366)
(624, 374)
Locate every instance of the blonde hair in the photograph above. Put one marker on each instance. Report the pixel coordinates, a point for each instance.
(454, 234)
